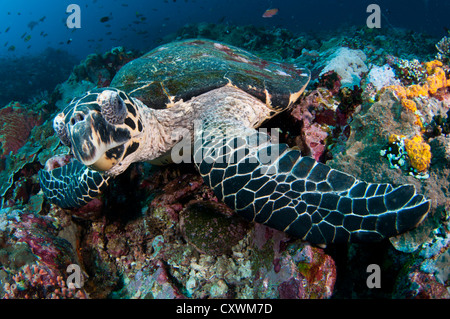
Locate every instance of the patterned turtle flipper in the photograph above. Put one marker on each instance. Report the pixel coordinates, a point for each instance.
(274, 185)
(72, 185)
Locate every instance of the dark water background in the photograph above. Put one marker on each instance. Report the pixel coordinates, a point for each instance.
(34, 37)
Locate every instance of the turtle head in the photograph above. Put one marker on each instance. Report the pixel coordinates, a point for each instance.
(102, 128)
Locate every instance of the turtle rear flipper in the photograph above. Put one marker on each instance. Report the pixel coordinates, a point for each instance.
(274, 185)
(72, 185)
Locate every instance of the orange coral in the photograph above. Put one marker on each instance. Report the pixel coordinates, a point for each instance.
(395, 138)
(430, 66)
(416, 90)
(418, 152)
(437, 80)
(398, 89)
(409, 104)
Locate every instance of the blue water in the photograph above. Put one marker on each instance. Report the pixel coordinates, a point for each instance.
(141, 24)
(38, 50)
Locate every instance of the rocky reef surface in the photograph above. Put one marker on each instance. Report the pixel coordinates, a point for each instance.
(377, 108)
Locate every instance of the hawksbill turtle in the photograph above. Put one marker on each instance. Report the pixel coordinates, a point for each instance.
(212, 97)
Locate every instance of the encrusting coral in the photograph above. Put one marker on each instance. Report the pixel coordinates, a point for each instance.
(15, 127)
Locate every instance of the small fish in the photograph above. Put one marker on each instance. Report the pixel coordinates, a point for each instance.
(27, 38)
(42, 19)
(69, 41)
(11, 48)
(269, 13)
(32, 24)
(104, 19)
(7, 29)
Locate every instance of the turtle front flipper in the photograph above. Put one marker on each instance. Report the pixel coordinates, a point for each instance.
(72, 185)
(274, 185)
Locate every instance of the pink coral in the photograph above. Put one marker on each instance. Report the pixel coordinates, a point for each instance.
(15, 127)
(38, 282)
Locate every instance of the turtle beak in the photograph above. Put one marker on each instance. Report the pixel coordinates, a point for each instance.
(96, 143)
(108, 159)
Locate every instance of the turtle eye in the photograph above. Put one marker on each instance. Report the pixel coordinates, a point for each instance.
(113, 108)
(60, 129)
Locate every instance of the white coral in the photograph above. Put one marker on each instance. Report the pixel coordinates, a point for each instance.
(348, 63)
(381, 76)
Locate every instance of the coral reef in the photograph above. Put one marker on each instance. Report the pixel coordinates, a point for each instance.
(384, 117)
(426, 274)
(161, 233)
(415, 152)
(418, 152)
(347, 63)
(33, 258)
(36, 282)
(381, 76)
(101, 68)
(409, 72)
(443, 47)
(439, 125)
(16, 125)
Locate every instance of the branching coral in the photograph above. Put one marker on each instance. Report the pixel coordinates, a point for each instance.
(409, 72)
(443, 46)
(38, 282)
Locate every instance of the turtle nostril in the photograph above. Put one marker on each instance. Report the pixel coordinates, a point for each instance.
(77, 118)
